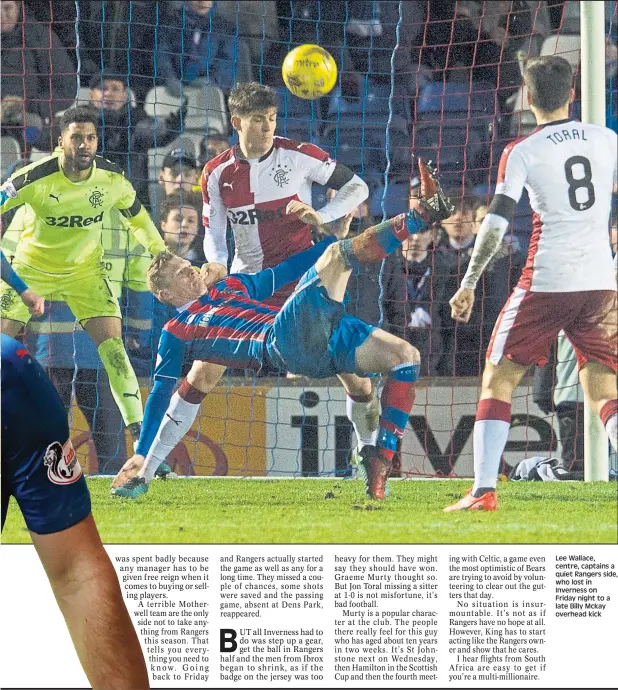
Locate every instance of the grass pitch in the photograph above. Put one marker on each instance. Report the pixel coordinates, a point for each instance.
(241, 511)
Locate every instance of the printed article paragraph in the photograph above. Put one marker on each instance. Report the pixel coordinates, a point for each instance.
(397, 616)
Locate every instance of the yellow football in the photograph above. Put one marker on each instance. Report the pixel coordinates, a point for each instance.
(309, 71)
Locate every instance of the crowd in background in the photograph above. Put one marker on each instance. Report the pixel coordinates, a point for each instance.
(396, 61)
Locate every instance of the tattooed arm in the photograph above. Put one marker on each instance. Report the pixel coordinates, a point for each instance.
(487, 243)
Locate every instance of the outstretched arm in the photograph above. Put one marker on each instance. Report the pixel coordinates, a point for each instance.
(487, 242)
(214, 217)
(264, 284)
(351, 192)
(86, 588)
(169, 363)
(512, 175)
(140, 223)
(489, 239)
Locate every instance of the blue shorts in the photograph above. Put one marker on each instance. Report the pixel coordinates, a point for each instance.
(49, 488)
(313, 336)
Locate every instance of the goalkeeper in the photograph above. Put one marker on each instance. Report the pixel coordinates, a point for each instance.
(60, 255)
(227, 322)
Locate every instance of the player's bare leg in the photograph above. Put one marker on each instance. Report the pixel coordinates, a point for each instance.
(11, 327)
(599, 384)
(86, 587)
(106, 332)
(491, 430)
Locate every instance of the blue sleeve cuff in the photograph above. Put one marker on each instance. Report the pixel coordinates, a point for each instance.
(156, 406)
(9, 276)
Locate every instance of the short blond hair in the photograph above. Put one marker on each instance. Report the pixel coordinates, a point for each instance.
(157, 277)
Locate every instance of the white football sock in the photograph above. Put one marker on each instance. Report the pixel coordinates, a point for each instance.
(612, 430)
(365, 418)
(178, 420)
(490, 437)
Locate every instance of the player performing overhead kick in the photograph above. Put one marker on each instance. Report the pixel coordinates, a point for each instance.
(569, 280)
(261, 187)
(229, 323)
(61, 254)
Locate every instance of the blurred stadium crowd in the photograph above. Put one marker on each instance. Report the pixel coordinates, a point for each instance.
(440, 79)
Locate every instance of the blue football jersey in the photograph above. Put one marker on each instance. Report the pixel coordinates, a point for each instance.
(39, 465)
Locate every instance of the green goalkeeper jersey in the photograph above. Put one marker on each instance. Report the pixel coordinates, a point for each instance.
(66, 233)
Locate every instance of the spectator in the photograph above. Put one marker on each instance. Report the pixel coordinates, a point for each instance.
(180, 223)
(257, 22)
(371, 37)
(179, 174)
(196, 43)
(414, 291)
(180, 171)
(212, 145)
(70, 356)
(38, 77)
(483, 43)
(465, 344)
(126, 132)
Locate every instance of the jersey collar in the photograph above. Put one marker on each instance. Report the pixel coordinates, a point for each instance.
(186, 306)
(240, 156)
(555, 122)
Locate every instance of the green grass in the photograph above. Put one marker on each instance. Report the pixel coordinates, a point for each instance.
(336, 511)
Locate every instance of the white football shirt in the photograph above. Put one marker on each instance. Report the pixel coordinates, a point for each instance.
(569, 170)
(253, 195)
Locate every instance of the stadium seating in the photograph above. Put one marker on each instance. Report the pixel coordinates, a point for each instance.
(395, 197)
(571, 18)
(37, 154)
(475, 101)
(298, 118)
(454, 126)
(373, 110)
(10, 154)
(567, 46)
(205, 105)
(366, 151)
(357, 131)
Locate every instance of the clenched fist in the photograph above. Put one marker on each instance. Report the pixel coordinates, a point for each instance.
(212, 273)
(304, 212)
(461, 304)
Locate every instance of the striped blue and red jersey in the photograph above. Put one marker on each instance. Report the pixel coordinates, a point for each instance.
(229, 325)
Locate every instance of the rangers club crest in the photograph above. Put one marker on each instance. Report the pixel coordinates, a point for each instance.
(280, 176)
(96, 198)
(61, 463)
